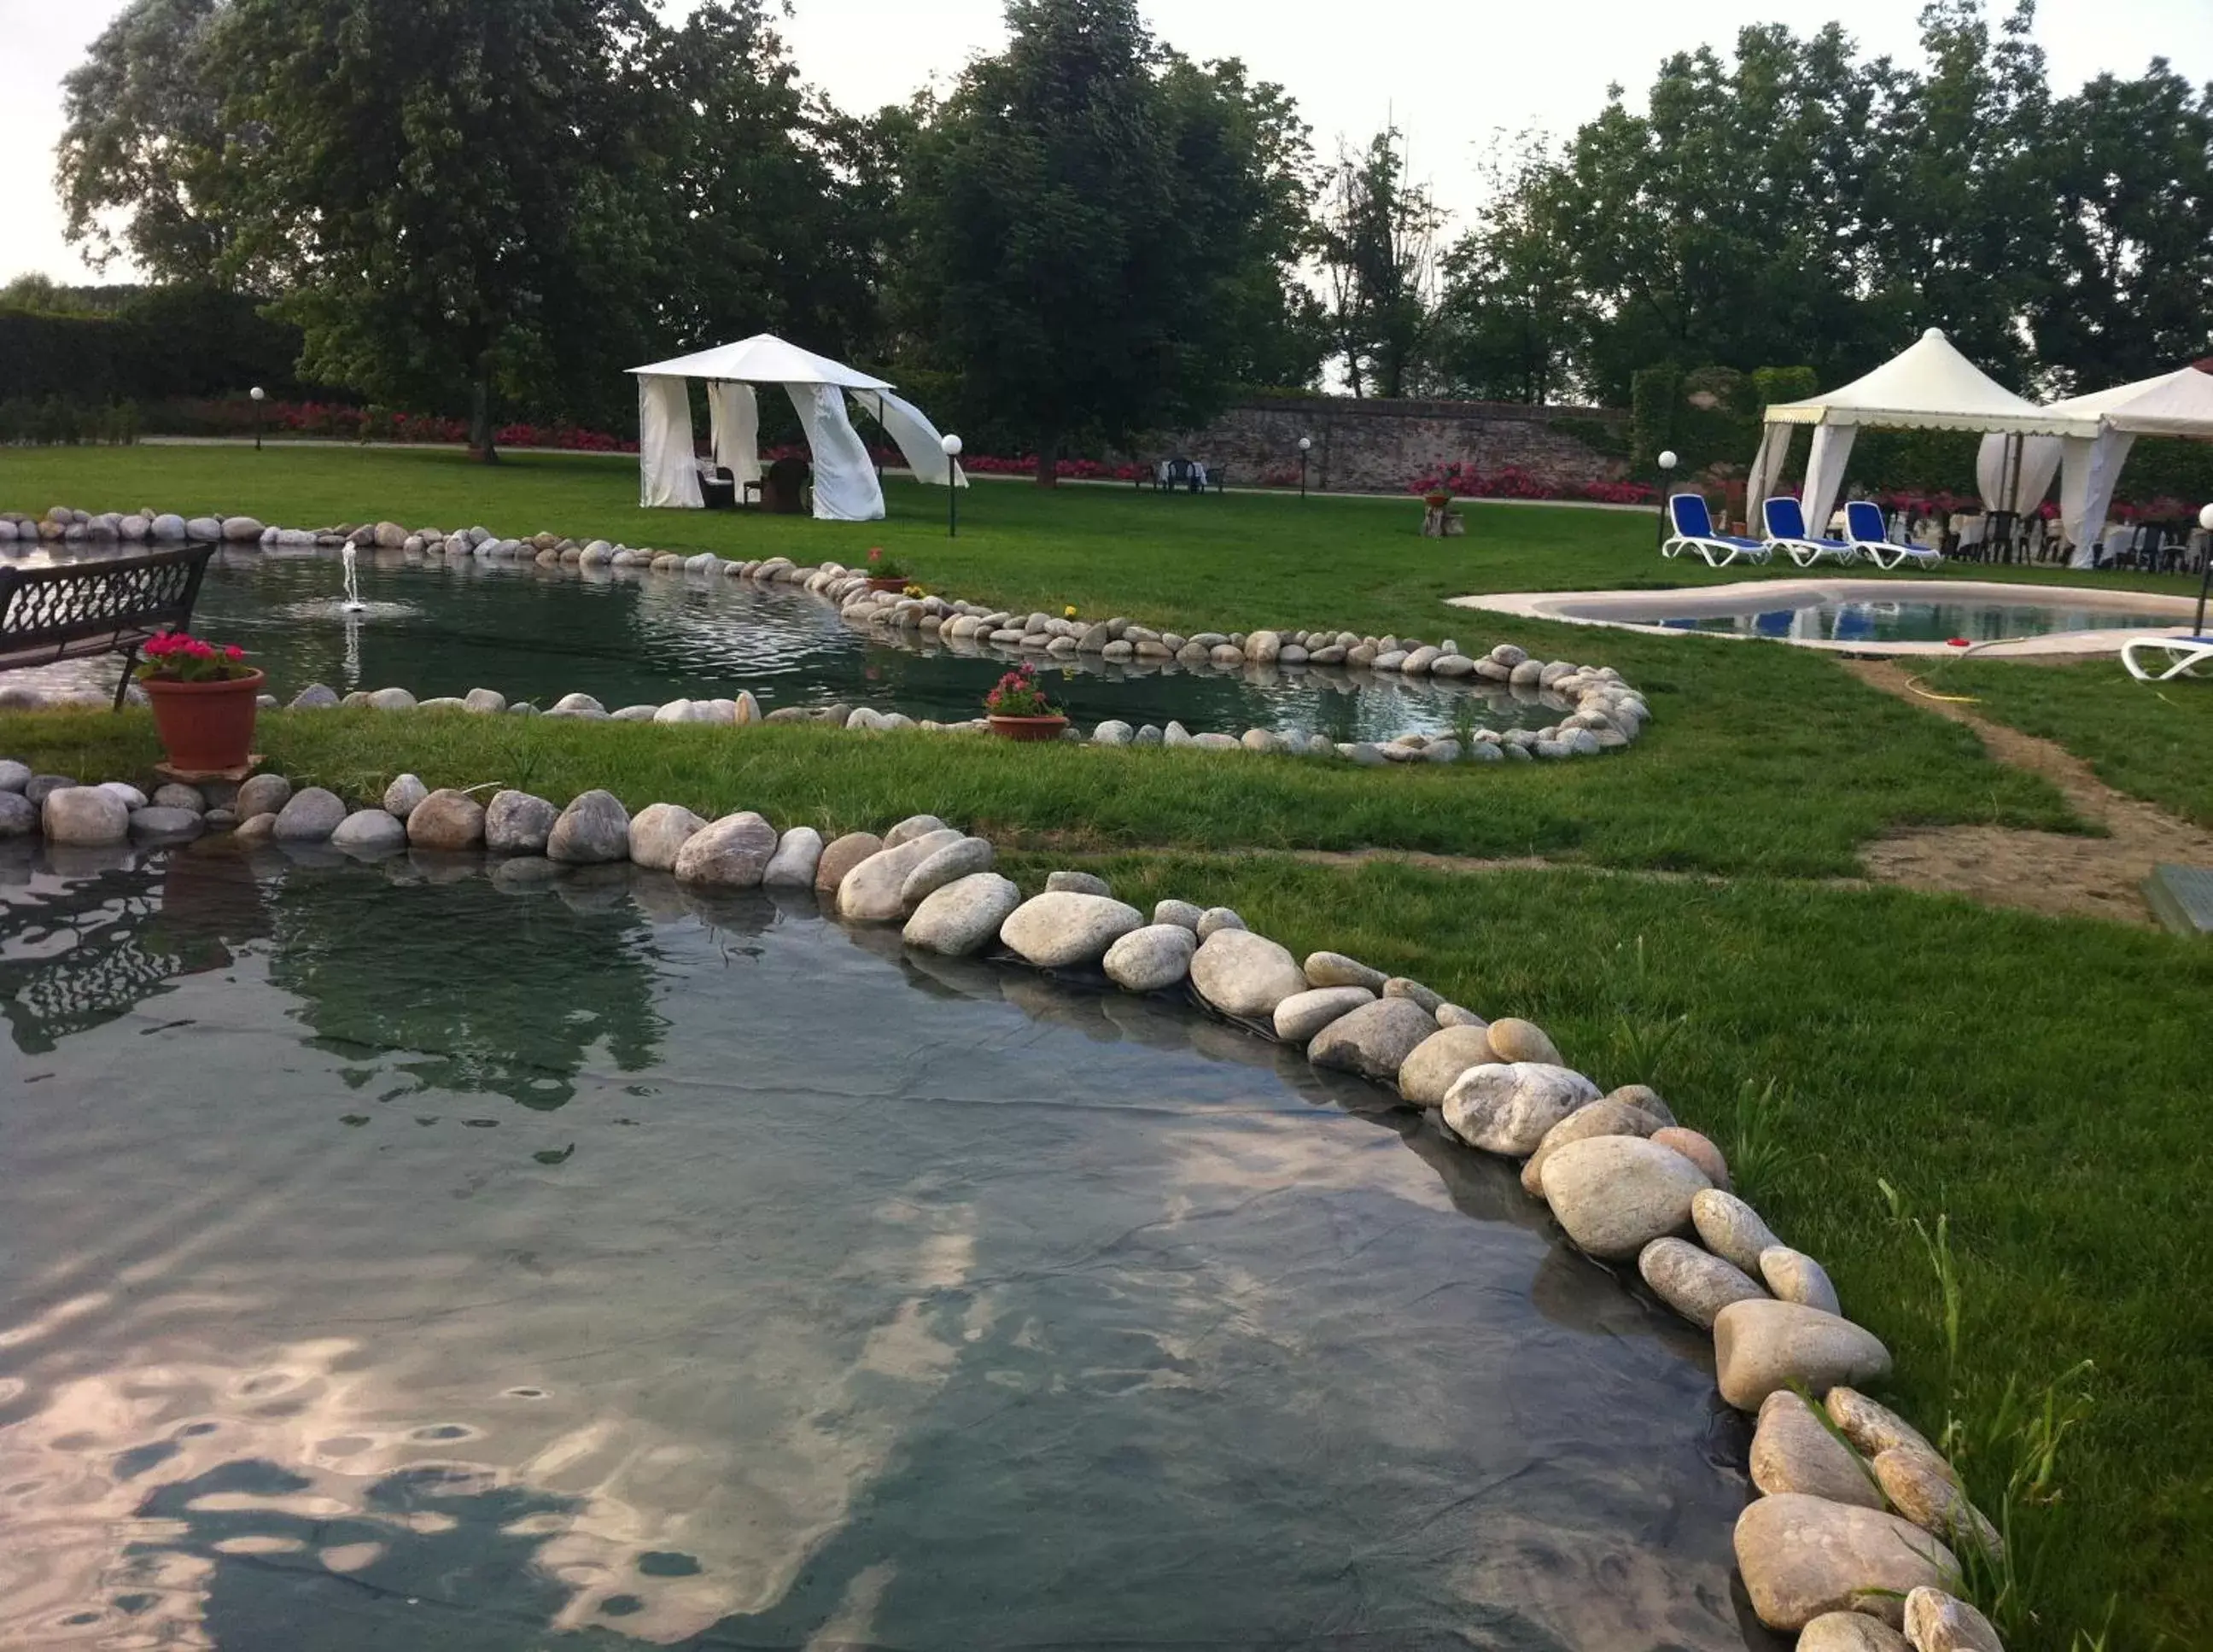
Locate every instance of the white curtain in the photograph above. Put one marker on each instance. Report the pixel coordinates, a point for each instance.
(1767, 466)
(2093, 465)
(1824, 473)
(734, 423)
(846, 489)
(2039, 462)
(667, 470)
(915, 437)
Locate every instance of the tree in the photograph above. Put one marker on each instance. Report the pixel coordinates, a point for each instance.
(1514, 320)
(1959, 220)
(1094, 224)
(2130, 293)
(1378, 252)
(782, 208)
(447, 188)
(143, 140)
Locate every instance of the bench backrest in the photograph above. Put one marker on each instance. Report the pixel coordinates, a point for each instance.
(73, 609)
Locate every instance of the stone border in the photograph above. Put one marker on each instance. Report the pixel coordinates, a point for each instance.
(1601, 712)
(1820, 1550)
(1642, 611)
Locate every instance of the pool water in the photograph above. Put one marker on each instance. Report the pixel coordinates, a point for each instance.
(626, 637)
(399, 1256)
(1908, 621)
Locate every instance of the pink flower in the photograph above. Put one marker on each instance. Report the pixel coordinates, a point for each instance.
(233, 654)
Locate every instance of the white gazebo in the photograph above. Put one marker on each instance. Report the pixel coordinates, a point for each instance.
(845, 486)
(2174, 404)
(1930, 386)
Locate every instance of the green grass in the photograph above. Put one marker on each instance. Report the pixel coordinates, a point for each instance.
(2031, 1077)
(2153, 740)
(1231, 563)
(1759, 757)
(1702, 791)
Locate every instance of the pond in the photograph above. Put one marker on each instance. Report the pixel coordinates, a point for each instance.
(399, 1256)
(625, 637)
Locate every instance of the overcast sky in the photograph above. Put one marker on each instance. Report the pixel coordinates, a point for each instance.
(1450, 72)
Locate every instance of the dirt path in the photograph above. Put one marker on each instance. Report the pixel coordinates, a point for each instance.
(2042, 871)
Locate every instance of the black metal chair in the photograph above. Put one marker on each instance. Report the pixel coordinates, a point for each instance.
(784, 488)
(80, 610)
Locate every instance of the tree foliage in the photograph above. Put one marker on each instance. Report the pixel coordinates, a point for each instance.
(1795, 203)
(1377, 245)
(1100, 233)
(140, 164)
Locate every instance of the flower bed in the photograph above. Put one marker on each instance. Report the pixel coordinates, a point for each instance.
(1465, 482)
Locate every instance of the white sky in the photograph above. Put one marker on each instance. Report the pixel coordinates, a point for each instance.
(1450, 72)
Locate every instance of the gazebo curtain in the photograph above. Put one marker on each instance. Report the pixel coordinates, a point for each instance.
(667, 474)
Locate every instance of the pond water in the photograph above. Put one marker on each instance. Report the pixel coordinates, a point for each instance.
(402, 1257)
(440, 627)
(1882, 621)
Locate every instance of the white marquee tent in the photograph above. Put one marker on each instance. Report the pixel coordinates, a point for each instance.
(2174, 404)
(1930, 386)
(845, 487)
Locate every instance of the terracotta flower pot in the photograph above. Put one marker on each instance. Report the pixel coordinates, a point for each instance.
(897, 584)
(1027, 727)
(206, 728)
(1436, 501)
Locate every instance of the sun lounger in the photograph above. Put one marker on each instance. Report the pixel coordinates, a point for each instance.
(1786, 531)
(1864, 527)
(1694, 532)
(2183, 655)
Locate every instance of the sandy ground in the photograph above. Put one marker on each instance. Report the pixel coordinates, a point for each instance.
(2041, 871)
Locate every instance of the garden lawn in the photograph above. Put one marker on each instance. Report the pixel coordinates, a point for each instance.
(2153, 740)
(2033, 1079)
(1759, 757)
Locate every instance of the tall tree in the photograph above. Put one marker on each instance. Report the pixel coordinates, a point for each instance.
(1723, 225)
(448, 188)
(781, 207)
(1514, 321)
(1378, 253)
(1091, 219)
(140, 164)
(1960, 219)
(2130, 289)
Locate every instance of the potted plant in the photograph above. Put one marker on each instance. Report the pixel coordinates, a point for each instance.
(1018, 710)
(885, 573)
(204, 701)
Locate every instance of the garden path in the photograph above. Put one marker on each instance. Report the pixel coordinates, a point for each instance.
(2042, 871)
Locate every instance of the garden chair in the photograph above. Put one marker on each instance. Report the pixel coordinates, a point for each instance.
(2183, 655)
(1694, 532)
(1785, 521)
(1864, 527)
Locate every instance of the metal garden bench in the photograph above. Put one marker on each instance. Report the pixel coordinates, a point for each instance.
(80, 610)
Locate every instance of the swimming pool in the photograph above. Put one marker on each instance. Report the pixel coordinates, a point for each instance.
(1904, 616)
(438, 626)
(456, 1264)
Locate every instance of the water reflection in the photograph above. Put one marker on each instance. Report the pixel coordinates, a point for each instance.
(444, 626)
(880, 1301)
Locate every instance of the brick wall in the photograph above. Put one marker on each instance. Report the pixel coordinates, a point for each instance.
(1379, 447)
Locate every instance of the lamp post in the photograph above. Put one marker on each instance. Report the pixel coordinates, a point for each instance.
(1666, 465)
(260, 395)
(1306, 447)
(952, 446)
(2205, 579)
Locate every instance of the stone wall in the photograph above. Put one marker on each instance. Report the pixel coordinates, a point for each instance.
(1380, 447)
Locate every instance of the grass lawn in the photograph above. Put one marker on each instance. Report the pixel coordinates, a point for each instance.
(2153, 740)
(2028, 1078)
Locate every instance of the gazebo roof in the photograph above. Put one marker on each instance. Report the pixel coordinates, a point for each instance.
(763, 359)
(1930, 386)
(2174, 404)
